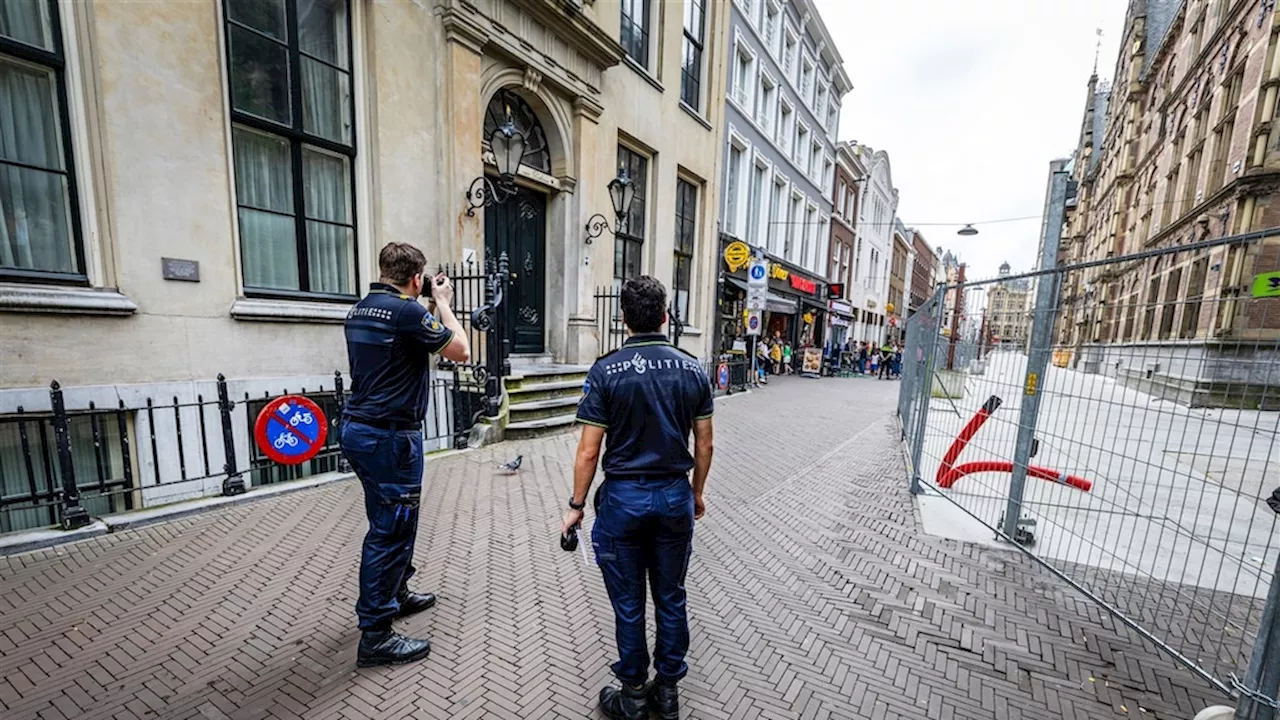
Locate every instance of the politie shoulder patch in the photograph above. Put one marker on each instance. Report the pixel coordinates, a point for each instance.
(586, 388)
(430, 323)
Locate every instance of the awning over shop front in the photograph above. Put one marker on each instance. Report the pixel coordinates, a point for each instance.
(779, 304)
(814, 304)
(735, 281)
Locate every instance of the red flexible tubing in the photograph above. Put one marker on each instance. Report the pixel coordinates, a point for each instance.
(948, 472)
(971, 429)
(1044, 473)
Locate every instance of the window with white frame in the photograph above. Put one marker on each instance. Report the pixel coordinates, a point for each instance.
(775, 229)
(770, 30)
(833, 117)
(801, 144)
(793, 226)
(741, 75)
(732, 185)
(820, 105)
(815, 162)
(748, 9)
(691, 62)
(754, 192)
(841, 200)
(293, 144)
(806, 79)
(789, 49)
(39, 230)
(766, 98)
(810, 231)
(782, 133)
(633, 34)
(827, 172)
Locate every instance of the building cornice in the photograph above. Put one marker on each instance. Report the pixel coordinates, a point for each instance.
(568, 23)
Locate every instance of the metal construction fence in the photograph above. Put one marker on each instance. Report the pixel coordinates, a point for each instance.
(1119, 421)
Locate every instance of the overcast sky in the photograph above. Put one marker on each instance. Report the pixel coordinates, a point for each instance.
(971, 100)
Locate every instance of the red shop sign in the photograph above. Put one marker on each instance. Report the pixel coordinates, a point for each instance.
(803, 285)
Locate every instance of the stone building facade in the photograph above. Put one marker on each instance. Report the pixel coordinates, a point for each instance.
(272, 147)
(1008, 314)
(785, 85)
(1182, 147)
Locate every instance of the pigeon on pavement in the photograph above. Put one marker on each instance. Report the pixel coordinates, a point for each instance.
(511, 468)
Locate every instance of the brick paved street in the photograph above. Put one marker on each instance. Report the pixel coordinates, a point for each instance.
(813, 594)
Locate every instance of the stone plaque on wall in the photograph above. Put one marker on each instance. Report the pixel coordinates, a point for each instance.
(184, 270)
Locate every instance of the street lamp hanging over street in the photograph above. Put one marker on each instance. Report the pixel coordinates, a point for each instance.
(967, 231)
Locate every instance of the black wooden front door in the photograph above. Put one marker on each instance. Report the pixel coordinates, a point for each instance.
(518, 227)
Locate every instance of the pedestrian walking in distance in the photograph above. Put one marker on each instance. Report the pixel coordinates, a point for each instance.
(390, 340)
(646, 397)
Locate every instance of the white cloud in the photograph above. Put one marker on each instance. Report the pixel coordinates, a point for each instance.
(971, 101)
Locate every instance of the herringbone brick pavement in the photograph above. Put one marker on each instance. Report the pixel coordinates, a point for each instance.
(813, 594)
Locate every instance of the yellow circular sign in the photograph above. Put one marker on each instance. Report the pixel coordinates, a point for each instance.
(808, 318)
(737, 255)
(889, 308)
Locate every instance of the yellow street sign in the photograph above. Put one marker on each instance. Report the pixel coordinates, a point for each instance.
(1033, 380)
(737, 256)
(1266, 285)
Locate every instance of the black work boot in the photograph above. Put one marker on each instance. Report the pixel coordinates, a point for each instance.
(625, 704)
(664, 699)
(384, 647)
(412, 602)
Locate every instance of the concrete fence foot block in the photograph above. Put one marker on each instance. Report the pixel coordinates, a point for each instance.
(1217, 712)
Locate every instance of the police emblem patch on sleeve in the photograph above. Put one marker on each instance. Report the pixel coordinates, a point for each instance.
(430, 323)
(586, 388)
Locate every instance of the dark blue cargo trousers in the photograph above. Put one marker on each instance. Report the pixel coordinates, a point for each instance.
(389, 465)
(644, 531)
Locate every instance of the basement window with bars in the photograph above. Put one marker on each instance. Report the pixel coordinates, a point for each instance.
(31, 474)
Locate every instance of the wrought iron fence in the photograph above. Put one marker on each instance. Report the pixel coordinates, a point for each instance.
(1119, 421)
(609, 327)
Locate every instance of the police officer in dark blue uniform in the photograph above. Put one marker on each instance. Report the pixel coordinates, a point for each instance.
(390, 340)
(646, 398)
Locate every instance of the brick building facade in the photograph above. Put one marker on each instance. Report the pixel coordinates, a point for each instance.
(1182, 148)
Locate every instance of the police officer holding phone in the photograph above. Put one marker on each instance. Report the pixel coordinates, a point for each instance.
(646, 398)
(390, 340)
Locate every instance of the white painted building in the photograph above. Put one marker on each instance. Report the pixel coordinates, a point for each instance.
(877, 212)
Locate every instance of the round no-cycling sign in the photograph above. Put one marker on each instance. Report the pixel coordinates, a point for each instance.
(291, 429)
(722, 376)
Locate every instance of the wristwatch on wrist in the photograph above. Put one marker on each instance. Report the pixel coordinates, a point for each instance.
(577, 506)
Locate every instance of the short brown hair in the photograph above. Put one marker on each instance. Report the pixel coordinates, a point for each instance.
(399, 262)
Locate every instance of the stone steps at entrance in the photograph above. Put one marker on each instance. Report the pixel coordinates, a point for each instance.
(540, 427)
(538, 409)
(543, 399)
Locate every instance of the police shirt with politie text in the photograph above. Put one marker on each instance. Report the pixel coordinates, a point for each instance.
(390, 339)
(647, 395)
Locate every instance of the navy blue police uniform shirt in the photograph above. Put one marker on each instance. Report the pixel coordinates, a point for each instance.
(647, 395)
(390, 339)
